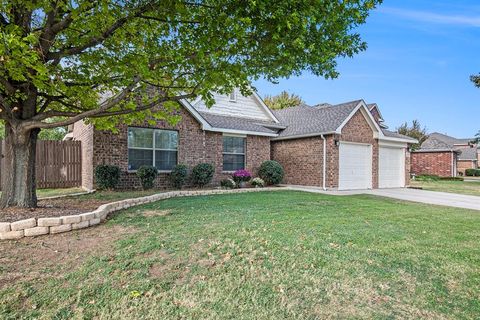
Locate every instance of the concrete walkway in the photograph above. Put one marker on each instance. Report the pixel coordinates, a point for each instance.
(415, 195)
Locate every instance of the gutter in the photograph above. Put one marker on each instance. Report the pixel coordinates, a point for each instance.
(324, 163)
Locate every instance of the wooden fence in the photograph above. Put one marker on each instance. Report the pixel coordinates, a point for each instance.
(58, 164)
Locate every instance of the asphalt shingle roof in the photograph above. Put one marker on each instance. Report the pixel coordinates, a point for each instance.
(467, 153)
(439, 141)
(237, 123)
(304, 120)
(392, 134)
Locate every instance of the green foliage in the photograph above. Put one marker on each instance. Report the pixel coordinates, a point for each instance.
(202, 174)
(178, 176)
(70, 53)
(415, 131)
(147, 176)
(452, 178)
(107, 176)
(427, 177)
(228, 184)
(271, 172)
(476, 140)
(283, 100)
(46, 134)
(258, 182)
(472, 172)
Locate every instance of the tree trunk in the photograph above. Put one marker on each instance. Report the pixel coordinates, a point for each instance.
(18, 170)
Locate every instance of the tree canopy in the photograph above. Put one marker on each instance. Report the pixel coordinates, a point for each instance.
(415, 131)
(476, 140)
(283, 100)
(60, 57)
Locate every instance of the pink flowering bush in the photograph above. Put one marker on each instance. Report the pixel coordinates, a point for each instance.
(241, 176)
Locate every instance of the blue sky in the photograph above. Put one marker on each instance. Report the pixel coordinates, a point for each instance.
(417, 66)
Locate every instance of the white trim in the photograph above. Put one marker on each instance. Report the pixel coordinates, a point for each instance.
(392, 144)
(264, 106)
(375, 106)
(377, 131)
(207, 127)
(405, 140)
(300, 136)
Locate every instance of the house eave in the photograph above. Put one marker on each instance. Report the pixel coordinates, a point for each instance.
(300, 136)
(241, 132)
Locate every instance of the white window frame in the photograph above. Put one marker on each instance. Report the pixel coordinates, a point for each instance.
(153, 149)
(244, 151)
(232, 97)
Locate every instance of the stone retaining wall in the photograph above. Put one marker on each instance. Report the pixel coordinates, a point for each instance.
(36, 227)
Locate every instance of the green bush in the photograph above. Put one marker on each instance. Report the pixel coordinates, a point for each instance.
(107, 176)
(477, 173)
(228, 184)
(470, 172)
(258, 183)
(202, 174)
(147, 176)
(271, 172)
(178, 176)
(451, 178)
(427, 177)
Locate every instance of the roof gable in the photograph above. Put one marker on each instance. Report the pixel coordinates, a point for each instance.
(251, 107)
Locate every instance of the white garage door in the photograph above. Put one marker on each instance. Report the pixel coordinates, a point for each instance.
(391, 167)
(355, 166)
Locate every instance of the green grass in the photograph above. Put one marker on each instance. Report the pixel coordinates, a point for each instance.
(43, 193)
(273, 255)
(461, 187)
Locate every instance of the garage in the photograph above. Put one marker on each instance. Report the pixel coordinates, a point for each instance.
(355, 165)
(391, 167)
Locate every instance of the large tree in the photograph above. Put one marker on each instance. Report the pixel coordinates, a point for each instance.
(116, 59)
(415, 131)
(283, 100)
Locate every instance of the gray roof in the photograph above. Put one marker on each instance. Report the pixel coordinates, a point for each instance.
(467, 153)
(391, 134)
(439, 141)
(304, 120)
(237, 123)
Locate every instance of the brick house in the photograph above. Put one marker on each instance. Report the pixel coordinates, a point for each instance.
(445, 156)
(347, 144)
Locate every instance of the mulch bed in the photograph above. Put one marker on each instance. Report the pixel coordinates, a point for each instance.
(52, 208)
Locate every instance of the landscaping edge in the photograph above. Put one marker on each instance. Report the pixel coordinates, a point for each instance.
(34, 227)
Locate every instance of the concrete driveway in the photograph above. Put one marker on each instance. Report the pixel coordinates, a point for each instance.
(415, 195)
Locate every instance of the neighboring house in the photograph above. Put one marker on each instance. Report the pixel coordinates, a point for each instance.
(241, 132)
(445, 156)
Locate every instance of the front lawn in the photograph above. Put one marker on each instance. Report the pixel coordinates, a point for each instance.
(461, 187)
(272, 255)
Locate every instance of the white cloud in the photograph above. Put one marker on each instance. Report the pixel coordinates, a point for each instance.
(430, 17)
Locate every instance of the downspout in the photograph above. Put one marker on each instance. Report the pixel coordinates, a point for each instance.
(324, 163)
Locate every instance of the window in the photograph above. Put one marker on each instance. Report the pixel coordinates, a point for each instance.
(233, 153)
(152, 147)
(233, 96)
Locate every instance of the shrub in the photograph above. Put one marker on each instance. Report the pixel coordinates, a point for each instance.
(271, 172)
(228, 184)
(258, 183)
(107, 176)
(202, 174)
(241, 176)
(470, 172)
(452, 178)
(427, 177)
(178, 176)
(477, 173)
(147, 175)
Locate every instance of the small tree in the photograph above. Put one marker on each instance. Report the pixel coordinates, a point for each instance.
(414, 131)
(476, 140)
(283, 100)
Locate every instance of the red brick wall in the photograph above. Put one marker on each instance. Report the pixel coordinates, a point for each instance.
(195, 146)
(302, 160)
(462, 165)
(436, 163)
(84, 133)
